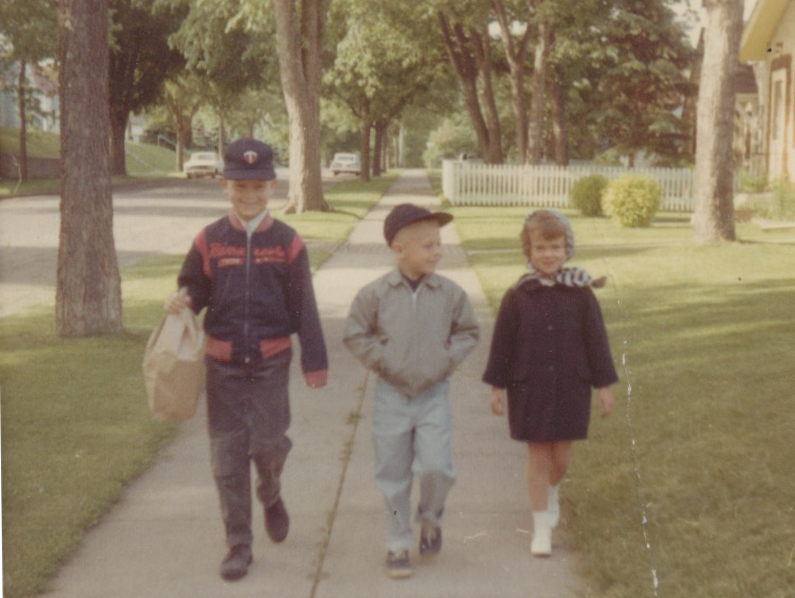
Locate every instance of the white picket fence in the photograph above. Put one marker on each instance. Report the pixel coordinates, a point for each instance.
(472, 184)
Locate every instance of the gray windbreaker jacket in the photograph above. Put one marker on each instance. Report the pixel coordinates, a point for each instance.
(413, 340)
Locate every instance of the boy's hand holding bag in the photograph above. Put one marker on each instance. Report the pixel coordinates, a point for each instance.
(174, 366)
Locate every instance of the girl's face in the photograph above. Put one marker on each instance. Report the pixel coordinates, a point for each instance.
(547, 256)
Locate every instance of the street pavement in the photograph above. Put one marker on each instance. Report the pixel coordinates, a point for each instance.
(165, 539)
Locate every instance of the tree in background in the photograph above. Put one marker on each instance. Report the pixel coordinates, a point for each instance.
(30, 26)
(140, 62)
(181, 98)
(466, 40)
(233, 51)
(713, 218)
(88, 288)
(299, 31)
(516, 44)
(379, 69)
(643, 56)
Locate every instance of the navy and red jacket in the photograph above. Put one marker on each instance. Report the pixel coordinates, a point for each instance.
(257, 290)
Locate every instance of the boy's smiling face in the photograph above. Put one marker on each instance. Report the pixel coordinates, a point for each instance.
(418, 248)
(248, 197)
(547, 256)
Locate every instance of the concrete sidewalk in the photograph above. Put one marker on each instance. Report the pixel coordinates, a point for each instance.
(165, 538)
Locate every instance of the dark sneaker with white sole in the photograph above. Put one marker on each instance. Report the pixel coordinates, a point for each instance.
(236, 562)
(398, 564)
(430, 539)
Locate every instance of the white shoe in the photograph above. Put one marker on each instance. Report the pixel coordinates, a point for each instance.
(542, 534)
(553, 507)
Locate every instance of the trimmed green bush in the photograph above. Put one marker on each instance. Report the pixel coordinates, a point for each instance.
(586, 194)
(632, 200)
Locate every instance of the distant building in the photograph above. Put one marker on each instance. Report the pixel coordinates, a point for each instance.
(768, 42)
(748, 130)
(42, 84)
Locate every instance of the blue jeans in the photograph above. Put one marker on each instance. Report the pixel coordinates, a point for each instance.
(412, 437)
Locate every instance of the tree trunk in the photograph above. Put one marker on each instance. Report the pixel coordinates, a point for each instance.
(365, 126)
(466, 67)
(516, 55)
(713, 218)
(221, 135)
(23, 122)
(379, 147)
(560, 132)
(536, 127)
(118, 127)
(493, 153)
(300, 68)
(88, 292)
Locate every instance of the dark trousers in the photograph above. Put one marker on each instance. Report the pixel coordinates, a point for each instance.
(248, 413)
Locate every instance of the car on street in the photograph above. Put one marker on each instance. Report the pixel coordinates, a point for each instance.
(204, 164)
(344, 162)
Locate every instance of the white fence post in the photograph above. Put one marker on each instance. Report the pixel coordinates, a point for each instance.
(472, 184)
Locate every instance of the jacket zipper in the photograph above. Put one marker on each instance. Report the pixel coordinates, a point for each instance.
(247, 357)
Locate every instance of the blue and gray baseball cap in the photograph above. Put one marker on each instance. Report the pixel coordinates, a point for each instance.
(249, 159)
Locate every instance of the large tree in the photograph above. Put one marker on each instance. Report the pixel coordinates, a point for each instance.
(516, 45)
(379, 69)
(643, 57)
(140, 62)
(88, 291)
(299, 31)
(713, 219)
(466, 41)
(30, 26)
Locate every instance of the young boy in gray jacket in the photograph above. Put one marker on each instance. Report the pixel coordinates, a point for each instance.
(412, 327)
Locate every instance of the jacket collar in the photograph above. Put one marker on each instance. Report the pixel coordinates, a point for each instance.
(237, 224)
(395, 278)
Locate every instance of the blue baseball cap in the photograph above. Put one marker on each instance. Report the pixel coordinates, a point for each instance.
(249, 159)
(405, 214)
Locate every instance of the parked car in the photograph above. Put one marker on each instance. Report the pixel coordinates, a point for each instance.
(204, 164)
(346, 163)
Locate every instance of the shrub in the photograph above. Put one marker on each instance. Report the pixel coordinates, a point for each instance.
(632, 200)
(586, 194)
(779, 204)
(749, 183)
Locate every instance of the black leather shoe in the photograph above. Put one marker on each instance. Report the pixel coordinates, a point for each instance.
(277, 521)
(236, 562)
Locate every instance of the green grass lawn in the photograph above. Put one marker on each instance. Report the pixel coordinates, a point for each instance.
(691, 483)
(144, 161)
(76, 426)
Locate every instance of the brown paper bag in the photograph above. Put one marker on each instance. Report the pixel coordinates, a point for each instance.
(174, 367)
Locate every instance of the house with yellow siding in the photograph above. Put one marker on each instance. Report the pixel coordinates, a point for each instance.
(768, 43)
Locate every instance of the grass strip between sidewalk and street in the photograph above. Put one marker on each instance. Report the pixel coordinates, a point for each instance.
(688, 490)
(75, 422)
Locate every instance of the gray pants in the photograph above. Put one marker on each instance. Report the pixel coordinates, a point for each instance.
(412, 437)
(248, 413)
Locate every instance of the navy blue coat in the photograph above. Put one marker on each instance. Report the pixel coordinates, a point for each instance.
(257, 292)
(549, 349)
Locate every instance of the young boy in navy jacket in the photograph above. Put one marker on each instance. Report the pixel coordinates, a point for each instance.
(252, 274)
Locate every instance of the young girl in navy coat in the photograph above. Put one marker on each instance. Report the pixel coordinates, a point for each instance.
(548, 351)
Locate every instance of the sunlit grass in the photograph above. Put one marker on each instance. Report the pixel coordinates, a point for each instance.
(700, 446)
(349, 201)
